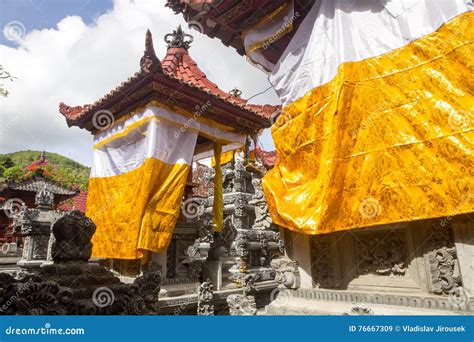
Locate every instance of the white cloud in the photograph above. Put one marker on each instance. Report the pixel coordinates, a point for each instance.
(78, 63)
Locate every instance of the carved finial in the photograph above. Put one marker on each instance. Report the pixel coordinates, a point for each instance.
(177, 39)
(235, 92)
(149, 61)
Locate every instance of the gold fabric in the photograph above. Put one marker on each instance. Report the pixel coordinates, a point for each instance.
(218, 205)
(226, 157)
(137, 210)
(389, 139)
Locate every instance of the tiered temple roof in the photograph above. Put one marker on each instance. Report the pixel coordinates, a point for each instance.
(176, 80)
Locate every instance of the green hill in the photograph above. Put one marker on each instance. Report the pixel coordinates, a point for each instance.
(76, 172)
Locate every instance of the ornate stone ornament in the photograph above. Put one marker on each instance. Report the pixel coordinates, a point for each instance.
(179, 39)
(205, 299)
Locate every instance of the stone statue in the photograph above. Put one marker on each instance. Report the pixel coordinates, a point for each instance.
(73, 233)
(263, 219)
(287, 273)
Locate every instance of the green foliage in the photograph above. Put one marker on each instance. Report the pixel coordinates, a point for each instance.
(61, 169)
(6, 161)
(13, 173)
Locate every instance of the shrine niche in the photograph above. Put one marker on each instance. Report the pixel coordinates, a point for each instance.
(382, 272)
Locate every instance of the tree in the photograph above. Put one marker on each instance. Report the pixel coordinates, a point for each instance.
(5, 75)
(6, 162)
(13, 173)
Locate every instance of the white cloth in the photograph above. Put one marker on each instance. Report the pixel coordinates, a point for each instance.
(339, 31)
(153, 133)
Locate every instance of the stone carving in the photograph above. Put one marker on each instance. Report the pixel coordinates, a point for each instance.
(241, 305)
(432, 302)
(360, 310)
(287, 273)
(44, 199)
(34, 225)
(147, 290)
(73, 233)
(445, 277)
(179, 39)
(71, 285)
(263, 219)
(205, 299)
(149, 62)
(381, 253)
(321, 268)
(199, 250)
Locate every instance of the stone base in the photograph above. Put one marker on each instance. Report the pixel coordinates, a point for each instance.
(30, 263)
(333, 302)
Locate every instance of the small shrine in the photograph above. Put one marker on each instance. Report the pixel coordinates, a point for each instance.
(171, 107)
(30, 207)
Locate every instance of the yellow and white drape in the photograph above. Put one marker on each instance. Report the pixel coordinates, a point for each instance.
(138, 177)
(377, 124)
(267, 31)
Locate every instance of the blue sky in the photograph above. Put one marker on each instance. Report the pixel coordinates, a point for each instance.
(76, 51)
(41, 14)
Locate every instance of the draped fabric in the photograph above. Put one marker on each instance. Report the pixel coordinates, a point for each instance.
(138, 177)
(376, 129)
(268, 30)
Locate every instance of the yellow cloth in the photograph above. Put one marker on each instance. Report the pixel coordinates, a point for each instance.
(137, 210)
(226, 157)
(218, 205)
(389, 139)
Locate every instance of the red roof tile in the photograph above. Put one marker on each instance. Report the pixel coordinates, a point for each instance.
(178, 65)
(268, 157)
(77, 202)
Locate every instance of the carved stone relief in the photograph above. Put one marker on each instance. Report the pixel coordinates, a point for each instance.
(443, 264)
(381, 253)
(321, 263)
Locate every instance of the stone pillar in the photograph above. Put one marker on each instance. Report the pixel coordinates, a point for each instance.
(302, 255)
(464, 242)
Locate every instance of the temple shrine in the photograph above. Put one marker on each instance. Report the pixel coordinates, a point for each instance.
(216, 227)
(20, 195)
(368, 236)
(364, 209)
